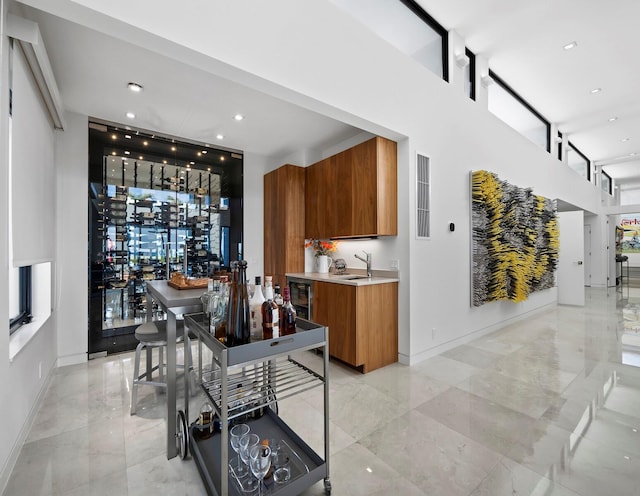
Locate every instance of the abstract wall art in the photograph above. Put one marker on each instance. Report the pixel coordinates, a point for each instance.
(515, 240)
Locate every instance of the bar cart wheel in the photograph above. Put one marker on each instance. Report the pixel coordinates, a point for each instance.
(327, 486)
(182, 436)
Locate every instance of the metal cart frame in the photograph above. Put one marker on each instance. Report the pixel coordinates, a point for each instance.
(274, 375)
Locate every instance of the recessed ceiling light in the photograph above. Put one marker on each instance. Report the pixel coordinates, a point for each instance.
(127, 153)
(613, 119)
(238, 117)
(219, 136)
(135, 87)
(140, 157)
(204, 152)
(164, 161)
(596, 90)
(209, 169)
(173, 148)
(128, 136)
(571, 45)
(114, 136)
(145, 143)
(222, 158)
(199, 154)
(130, 115)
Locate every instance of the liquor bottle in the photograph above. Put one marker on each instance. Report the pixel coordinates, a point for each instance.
(256, 311)
(221, 310)
(239, 317)
(270, 313)
(277, 296)
(287, 315)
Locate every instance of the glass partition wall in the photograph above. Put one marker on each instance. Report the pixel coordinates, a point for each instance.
(157, 206)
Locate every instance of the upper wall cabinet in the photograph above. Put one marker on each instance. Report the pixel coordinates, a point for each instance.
(353, 193)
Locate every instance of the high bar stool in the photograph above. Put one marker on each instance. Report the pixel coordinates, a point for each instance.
(154, 335)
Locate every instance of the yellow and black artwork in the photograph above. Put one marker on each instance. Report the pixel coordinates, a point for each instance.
(515, 240)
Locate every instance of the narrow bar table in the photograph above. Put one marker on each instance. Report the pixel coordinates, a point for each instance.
(174, 302)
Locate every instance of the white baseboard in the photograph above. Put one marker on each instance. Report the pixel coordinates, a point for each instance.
(71, 359)
(441, 348)
(22, 436)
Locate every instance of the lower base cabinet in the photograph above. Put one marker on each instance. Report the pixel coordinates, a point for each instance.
(362, 321)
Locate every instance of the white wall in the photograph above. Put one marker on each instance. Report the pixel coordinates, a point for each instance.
(352, 75)
(21, 383)
(253, 208)
(71, 297)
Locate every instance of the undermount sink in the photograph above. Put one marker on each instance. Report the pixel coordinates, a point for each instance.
(353, 278)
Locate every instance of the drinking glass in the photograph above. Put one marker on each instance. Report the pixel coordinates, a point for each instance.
(260, 462)
(237, 432)
(281, 464)
(247, 442)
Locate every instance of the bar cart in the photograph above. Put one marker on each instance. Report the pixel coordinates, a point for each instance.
(245, 384)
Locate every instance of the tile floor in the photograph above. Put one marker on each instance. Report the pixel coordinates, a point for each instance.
(547, 406)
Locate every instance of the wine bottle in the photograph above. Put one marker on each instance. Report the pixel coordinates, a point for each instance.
(256, 311)
(287, 315)
(239, 319)
(270, 313)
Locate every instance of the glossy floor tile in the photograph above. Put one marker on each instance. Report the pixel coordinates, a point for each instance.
(549, 406)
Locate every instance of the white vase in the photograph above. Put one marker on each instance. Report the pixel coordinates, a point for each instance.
(323, 263)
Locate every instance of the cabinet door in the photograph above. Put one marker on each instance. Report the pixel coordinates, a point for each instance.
(362, 162)
(377, 320)
(345, 184)
(291, 187)
(271, 233)
(334, 307)
(284, 221)
(320, 199)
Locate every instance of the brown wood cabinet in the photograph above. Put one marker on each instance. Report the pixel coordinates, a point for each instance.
(354, 193)
(362, 321)
(320, 199)
(284, 205)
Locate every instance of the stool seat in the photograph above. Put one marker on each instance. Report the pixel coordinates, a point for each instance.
(153, 335)
(156, 332)
(150, 333)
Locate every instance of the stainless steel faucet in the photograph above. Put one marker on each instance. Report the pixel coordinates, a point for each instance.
(367, 261)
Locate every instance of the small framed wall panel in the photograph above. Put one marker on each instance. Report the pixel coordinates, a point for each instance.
(423, 197)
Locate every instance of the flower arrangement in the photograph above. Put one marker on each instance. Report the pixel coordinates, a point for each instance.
(321, 247)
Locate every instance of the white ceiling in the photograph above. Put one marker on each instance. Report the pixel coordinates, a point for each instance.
(92, 71)
(523, 42)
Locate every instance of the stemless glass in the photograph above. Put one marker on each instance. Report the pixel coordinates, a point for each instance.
(260, 462)
(247, 442)
(237, 432)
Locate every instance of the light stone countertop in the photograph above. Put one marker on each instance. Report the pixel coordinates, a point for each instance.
(352, 277)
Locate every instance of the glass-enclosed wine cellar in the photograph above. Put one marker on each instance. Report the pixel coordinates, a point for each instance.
(156, 205)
